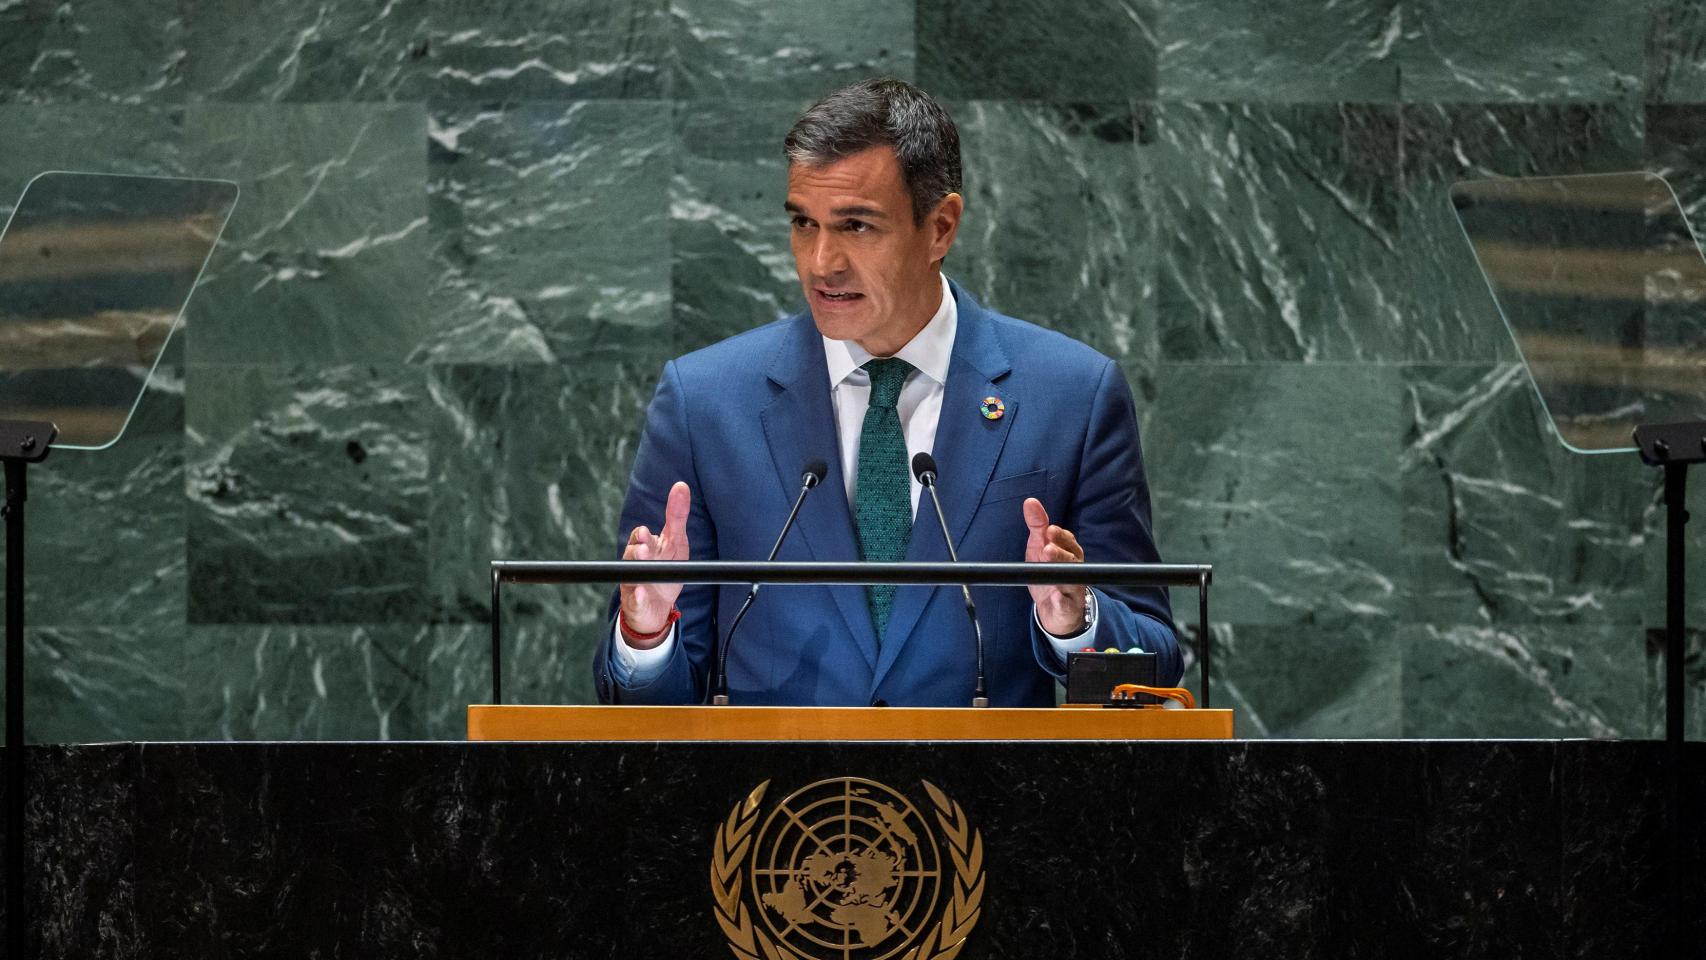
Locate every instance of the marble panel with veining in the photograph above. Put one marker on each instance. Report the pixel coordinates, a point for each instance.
(279, 682)
(1579, 51)
(757, 49)
(1060, 225)
(1292, 50)
(1279, 232)
(550, 230)
(321, 260)
(1096, 50)
(1285, 477)
(1502, 524)
(308, 495)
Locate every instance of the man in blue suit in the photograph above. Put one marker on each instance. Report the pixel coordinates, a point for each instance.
(1034, 434)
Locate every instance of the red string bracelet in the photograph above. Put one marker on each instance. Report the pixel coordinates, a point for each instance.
(622, 624)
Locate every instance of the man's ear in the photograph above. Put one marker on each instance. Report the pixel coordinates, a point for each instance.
(944, 224)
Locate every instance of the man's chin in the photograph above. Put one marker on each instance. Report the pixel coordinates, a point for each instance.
(839, 327)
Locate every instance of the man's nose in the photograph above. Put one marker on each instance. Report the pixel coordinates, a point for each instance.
(828, 258)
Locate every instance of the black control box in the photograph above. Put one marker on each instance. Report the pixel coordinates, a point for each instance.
(1091, 677)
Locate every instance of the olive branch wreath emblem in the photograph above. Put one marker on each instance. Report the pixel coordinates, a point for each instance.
(943, 941)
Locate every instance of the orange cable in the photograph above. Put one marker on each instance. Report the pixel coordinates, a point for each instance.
(1178, 695)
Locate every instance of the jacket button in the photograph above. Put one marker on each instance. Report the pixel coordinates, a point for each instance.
(879, 702)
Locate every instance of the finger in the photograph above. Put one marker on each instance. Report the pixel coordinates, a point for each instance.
(1036, 515)
(676, 510)
(1062, 537)
(1036, 518)
(1056, 553)
(639, 534)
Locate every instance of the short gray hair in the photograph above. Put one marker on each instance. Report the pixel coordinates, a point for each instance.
(882, 112)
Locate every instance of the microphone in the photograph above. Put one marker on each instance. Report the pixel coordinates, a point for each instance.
(924, 469)
(810, 476)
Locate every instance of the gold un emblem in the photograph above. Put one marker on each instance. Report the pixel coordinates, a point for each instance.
(847, 869)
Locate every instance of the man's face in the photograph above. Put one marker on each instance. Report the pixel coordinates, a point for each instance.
(868, 271)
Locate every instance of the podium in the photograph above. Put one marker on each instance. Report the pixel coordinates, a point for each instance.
(1091, 849)
(736, 724)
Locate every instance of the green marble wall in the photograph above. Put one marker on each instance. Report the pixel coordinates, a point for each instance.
(470, 234)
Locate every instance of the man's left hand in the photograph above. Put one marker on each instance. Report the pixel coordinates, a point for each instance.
(1060, 609)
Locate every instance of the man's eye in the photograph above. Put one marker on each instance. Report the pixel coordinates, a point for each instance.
(856, 226)
(799, 223)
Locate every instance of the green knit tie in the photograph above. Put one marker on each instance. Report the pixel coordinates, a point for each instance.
(884, 497)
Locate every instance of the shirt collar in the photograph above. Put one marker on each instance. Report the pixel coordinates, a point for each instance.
(931, 350)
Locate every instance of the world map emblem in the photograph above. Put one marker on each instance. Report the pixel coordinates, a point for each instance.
(847, 869)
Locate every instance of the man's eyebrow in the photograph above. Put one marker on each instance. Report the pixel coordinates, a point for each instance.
(869, 213)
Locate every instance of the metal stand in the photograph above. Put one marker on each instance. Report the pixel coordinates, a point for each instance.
(1674, 447)
(21, 444)
(497, 639)
(1197, 575)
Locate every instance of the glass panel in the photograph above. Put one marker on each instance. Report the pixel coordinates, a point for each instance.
(1603, 287)
(94, 274)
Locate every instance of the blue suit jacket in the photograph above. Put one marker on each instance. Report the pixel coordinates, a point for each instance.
(739, 420)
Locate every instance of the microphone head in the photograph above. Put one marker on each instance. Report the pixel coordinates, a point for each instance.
(923, 463)
(812, 474)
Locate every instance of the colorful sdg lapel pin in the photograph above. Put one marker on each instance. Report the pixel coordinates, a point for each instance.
(993, 408)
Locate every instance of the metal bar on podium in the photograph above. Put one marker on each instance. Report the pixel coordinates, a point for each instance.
(565, 572)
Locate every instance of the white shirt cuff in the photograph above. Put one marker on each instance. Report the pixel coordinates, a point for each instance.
(1065, 645)
(636, 668)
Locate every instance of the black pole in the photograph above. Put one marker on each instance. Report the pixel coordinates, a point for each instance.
(497, 638)
(16, 914)
(1205, 641)
(1676, 518)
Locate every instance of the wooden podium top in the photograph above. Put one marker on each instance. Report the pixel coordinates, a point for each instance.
(626, 723)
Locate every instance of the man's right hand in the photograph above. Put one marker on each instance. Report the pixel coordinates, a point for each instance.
(646, 606)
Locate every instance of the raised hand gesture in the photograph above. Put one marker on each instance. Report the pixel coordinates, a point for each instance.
(1062, 610)
(646, 606)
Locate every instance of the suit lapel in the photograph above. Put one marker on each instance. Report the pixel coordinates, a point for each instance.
(967, 447)
(799, 425)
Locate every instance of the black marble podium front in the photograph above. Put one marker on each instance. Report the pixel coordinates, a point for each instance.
(1107, 850)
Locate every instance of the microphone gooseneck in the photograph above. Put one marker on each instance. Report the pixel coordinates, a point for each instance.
(810, 476)
(924, 469)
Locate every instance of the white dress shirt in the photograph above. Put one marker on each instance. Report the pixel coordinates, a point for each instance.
(919, 405)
